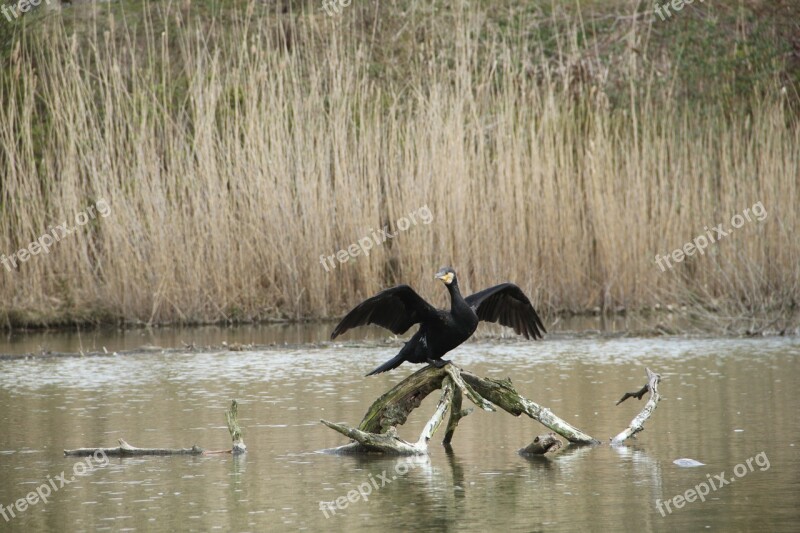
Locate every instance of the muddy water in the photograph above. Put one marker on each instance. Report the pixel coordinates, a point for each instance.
(725, 401)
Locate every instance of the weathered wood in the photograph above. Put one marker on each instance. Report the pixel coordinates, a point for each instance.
(126, 450)
(455, 373)
(637, 424)
(377, 431)
(389, 442)
(232, 418)
(542, 444)
(456, 414)
(435, 421)
(393, 408)
(638, 394)
(502, 394)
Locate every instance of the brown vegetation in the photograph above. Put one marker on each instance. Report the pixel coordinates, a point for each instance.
(231, 160)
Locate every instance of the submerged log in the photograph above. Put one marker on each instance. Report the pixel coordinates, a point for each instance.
(542, 444)
(126, 450)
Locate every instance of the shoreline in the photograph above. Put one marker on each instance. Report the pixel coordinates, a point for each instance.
(373, 337)
(100, 320)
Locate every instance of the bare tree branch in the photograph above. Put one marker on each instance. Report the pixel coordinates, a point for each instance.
(637, 424)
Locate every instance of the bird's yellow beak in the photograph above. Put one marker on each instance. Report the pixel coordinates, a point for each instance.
(447, 277)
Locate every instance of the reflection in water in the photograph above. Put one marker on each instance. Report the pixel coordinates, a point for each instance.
(238, 467)
(724, 400)
(457, 470)
(645, 468)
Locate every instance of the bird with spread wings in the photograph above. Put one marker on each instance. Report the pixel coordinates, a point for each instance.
(399, 308)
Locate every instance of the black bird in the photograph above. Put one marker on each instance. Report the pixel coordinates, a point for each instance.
(399, 308)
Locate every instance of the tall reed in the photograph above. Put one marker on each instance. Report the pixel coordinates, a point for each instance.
(232, 158)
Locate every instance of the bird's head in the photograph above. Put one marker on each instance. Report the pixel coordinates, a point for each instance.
(447, 275)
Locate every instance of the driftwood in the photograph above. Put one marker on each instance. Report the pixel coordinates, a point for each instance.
(456, 414)
(542, 444)
(377, 432)
(232, 419)
(503, 394)
(126, 450)
(637, 424)
(389, 442)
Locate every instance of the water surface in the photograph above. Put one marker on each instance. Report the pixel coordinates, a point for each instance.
(725, 401)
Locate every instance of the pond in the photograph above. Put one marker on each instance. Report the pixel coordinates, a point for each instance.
(725, 401)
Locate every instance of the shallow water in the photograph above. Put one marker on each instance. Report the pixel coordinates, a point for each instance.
(724, 401)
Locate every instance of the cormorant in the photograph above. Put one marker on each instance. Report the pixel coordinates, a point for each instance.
(399, 308)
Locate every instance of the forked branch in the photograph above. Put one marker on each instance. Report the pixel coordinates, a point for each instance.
(377, 431)
(637, 424)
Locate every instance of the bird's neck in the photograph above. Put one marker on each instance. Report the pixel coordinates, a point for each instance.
(457, 302)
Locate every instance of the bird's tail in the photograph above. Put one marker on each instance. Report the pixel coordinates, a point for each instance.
(392, 363)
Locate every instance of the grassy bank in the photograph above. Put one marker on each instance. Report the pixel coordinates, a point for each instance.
(233, 148)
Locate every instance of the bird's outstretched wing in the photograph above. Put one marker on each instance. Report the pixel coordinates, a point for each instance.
(507, 305)
(395, 309)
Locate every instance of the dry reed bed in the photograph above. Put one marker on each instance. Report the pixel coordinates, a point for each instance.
(231, 165)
